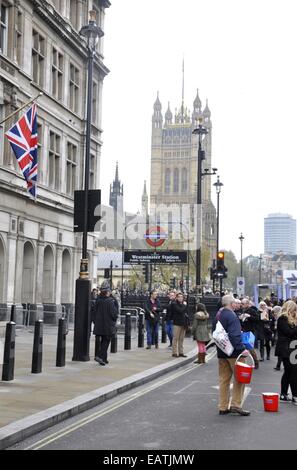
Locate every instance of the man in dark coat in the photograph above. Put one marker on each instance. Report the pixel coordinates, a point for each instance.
(105, 325)
(250, 320)
(168, 317)
(152, 308)
(180, 322)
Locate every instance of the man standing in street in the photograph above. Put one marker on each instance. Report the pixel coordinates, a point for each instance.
(250, 319)
(231, 324)
(105, 324)
(152, 309)
(179, 318)
(168, 318)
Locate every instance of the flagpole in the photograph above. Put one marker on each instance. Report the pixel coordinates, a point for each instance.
(22, 107)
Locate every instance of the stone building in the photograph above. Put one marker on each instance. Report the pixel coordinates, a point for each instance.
(174, 151)
(42, 51)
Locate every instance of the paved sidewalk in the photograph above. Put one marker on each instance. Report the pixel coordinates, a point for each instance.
(29, 393)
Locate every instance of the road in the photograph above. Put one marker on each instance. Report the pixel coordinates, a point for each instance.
(178, 411)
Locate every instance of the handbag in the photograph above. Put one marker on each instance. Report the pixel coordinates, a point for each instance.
(248, 339)
(221, 338)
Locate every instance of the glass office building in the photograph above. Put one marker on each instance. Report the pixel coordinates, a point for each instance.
(280, 234)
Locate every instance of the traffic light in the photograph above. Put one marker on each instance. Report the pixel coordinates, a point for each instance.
(221, 268)
(213, 273)
(106, 273)
(145, 271)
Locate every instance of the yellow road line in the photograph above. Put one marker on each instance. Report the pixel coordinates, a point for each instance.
(69, 429)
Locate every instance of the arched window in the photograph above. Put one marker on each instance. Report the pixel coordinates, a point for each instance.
(176, 181)
(28, 273)
(48, 276)
(184, 180)
(167, 181)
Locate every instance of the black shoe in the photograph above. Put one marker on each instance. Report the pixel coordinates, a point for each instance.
(284, 398)
(100, 361)
(182, 355)
(174, 355)
(148, 346)
(224, 412)
(239, 411)
(106, 362)
(268, 358)
(262, 359)
(276, 368)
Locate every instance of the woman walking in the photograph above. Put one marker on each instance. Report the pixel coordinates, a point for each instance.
(200, 332)
(287, 333)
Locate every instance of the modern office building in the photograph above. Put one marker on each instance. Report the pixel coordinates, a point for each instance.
(280, 234)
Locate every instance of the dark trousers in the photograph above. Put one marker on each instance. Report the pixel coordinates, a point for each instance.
(289, 378)
(266, 343)
(101, 346)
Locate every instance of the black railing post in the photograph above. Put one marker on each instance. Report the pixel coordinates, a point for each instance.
(37, 348)
(163, 325)
(141, 330)
(114, 343)
(13, 314)
(9, 352)
(127, 345)
(61, 343)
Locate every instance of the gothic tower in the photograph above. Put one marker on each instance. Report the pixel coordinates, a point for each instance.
(174, 157)
(116, 194)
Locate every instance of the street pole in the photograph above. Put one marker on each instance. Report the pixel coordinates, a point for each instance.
(260, 268)
(201, 156)
(241, 238)
(81, 340)
(218, 185)
(111, 266)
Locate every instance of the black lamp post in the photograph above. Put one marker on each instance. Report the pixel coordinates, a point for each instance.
(200, 130)
(241, 238)
(218, 185)
(260, 268)
(81, 342)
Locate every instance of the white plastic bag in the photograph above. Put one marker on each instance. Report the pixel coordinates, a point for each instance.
(221, 338)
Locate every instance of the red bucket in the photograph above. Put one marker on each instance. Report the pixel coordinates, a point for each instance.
(243, 372)
(271, 401)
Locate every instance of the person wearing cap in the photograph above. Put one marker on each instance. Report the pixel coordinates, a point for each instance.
(105, 324)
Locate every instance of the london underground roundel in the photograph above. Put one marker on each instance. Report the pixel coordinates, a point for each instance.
(156, 236)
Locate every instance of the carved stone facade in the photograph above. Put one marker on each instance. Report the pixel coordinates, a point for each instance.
(42, 51)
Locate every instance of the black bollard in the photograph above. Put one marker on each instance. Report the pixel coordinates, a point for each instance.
(127, 345)
(9, 352)
(141, 330)
(114, 343)
(163, 325)
(37, 348)
(12, 314)
(61, 343)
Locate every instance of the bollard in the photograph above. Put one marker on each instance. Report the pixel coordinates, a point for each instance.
(114, 343)
(61, 343)
(37, 348)
(163, 325)
(141, 330)
(12, 314)
(127, 345)
(9, 352)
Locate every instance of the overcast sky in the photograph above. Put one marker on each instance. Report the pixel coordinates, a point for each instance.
(242, 56)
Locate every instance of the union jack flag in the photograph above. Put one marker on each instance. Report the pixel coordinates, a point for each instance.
(23, 140)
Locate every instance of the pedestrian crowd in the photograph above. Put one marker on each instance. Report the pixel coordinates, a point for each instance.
(272, 324)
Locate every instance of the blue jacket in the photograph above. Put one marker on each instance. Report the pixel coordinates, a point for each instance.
(231, 323)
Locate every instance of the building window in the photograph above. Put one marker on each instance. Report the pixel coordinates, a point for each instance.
(71, 168)
(95, 103)
(73, 13)
(57, 4)
(184, 180)
(54, 160)
(19, 37)
(74, 88)
(167, 181)
(176, 181)
(38, 55)
(3, 29)
(92, 172)
(57, 74)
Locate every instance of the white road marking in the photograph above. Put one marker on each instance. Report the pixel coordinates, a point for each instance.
(69, 429)
(185, 388)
